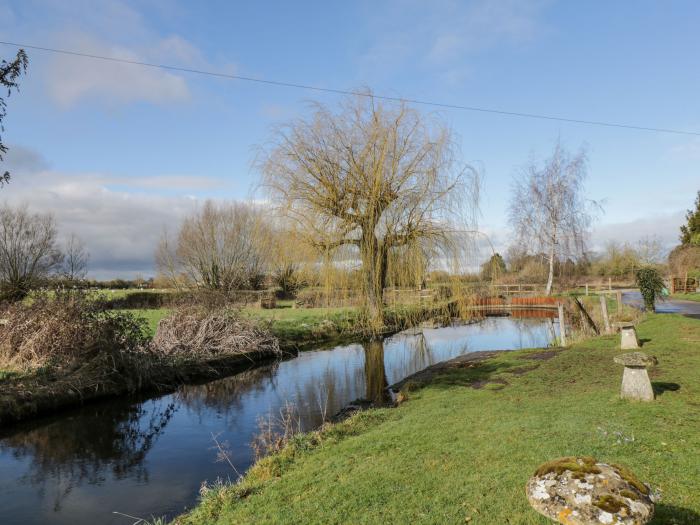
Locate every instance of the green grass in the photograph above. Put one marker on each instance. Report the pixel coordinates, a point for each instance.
(288, 324)
(6, 374)
(452, 452)
(152, 316)
(687, 296)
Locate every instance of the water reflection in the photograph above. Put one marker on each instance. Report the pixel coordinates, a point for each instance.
(67, 453)
(149, 457)
(375, 373)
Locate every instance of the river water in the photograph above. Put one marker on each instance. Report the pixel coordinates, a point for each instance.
(148, 457)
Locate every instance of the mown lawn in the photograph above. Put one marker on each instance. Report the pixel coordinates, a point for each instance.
(455, 454)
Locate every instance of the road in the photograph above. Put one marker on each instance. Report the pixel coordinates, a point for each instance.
(668, 306)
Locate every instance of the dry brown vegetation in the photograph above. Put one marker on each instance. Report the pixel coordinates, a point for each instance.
(67, 349)
(64, 331)
(198, 332)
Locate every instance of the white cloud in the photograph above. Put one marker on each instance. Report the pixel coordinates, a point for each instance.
(70, 79)
(443, 34)
(119, 221)
(116, 29)
(666, 227)
(689, 150)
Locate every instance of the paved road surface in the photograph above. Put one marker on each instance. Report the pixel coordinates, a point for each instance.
(669, 306)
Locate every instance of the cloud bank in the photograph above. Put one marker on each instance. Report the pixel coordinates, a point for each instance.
(119, 219)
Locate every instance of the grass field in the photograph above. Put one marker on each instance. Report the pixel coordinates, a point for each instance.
(687, 296)
(288, 324)
(454, 454)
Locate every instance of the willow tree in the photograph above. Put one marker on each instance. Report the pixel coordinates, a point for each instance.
(548, 208)
(370, 179)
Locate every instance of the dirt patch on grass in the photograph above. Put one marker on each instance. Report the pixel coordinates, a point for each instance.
(479, 384)
(518, 371)
(426, 375)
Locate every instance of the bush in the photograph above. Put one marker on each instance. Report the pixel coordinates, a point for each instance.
(651, 286)
(66, 331)
(200, 332)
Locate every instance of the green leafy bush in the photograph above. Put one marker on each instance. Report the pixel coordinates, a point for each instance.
(650, 285)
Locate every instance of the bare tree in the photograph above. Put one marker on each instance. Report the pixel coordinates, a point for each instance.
(75, 259)
(650, 250)
(371, 178)
(221, 247)
(28, 250)
(548, 210)
(9, 75)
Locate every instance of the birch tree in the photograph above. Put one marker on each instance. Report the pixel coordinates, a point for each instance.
(548, 210)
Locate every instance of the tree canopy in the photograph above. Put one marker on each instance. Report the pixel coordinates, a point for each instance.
(690, 232)
(9, 77)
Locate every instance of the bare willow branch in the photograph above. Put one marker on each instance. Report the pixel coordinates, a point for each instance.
(370, 182)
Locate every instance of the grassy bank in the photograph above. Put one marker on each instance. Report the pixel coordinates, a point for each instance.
(461, 448)
(687, 296)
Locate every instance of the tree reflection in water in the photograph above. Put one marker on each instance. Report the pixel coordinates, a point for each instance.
(225, 396)
(103, 439)
(375, 373)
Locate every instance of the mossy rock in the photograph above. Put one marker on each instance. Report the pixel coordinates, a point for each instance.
(579, 490)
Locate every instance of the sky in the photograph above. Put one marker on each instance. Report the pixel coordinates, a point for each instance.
(119, 152)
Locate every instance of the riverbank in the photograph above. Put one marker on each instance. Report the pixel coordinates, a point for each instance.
(462, 445)
(24, 396)
(299, 328)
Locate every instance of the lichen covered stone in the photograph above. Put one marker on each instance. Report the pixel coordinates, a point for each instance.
(636, 359)
(581, 491)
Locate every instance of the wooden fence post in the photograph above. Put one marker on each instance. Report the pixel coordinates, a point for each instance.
(562, 325)
(604, 310)
(619, 301)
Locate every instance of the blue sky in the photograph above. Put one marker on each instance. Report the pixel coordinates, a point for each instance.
(118, 152)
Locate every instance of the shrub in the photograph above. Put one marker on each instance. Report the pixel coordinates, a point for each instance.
(67, 330)
(651, 286)
(199, 332)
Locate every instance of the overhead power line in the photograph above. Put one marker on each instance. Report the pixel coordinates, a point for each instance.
(352, 92)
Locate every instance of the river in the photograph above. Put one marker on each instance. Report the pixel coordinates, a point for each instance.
(148, 457)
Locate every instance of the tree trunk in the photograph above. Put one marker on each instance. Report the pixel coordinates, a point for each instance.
(550, 278)
(374, 267)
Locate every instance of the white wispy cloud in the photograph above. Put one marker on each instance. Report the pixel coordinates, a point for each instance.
(70, 79)
(115, 29)
(442, 35)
